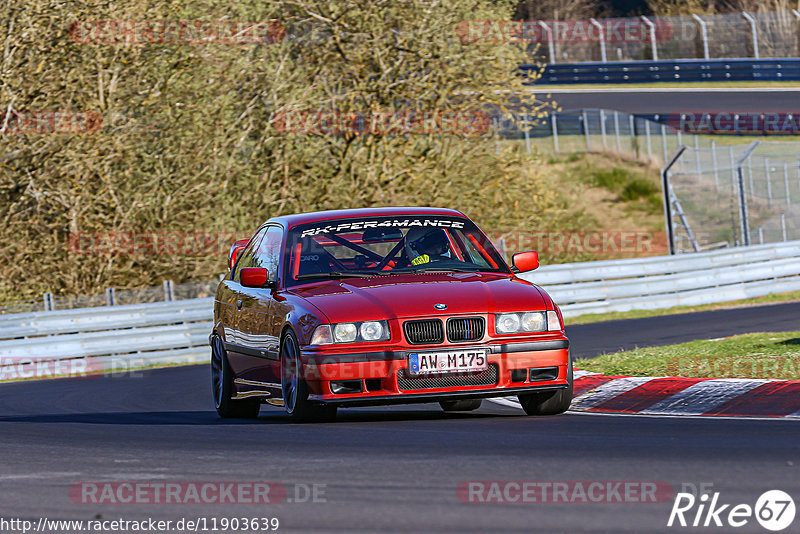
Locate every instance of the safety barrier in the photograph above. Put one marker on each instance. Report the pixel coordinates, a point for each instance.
(679, 70)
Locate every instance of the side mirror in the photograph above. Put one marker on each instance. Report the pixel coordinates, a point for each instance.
(254, 277)
(236, 248)
(525, 261)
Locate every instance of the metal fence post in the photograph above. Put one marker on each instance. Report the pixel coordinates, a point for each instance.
(616, 130)
(585, 119)
(550, 46)
(527, 134)
(743, 216)
(783, 225)
(652, 28)
(769, 182)
(554, 126)
(760, 235)
(49, 305)
(714, 164)
(111, 297)
(634, 144)
(753, 30)
(647, 136)
(603, 127)
(703, 34)
(601, 38)
(169, 291)
(786, 184)
(697, 159)
(664, 141)
(666, 190)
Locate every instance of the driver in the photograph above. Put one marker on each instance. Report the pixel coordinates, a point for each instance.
(424, 245)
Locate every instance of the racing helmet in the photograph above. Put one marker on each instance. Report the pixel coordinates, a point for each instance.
(423, 244)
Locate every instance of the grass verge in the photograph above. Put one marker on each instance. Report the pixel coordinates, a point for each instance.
(761, 355)
(774, 298)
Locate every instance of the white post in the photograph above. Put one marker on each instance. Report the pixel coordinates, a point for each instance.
(714, 164)
(647, 134)
(585, 119)
(616, 131)
(783, 225)
(703, 34)
(652, 28)
(697, 159)
(554, 125)
(753, 30)
(786, 183)
(550, 46)
(664, 141)
(603, 127)
(760, 235)
(632, 128)
(769, 185)
(602, 37)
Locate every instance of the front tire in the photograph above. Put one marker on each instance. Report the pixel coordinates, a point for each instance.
(295, 389)
(465, 405)
(222, 387)
(549, 402)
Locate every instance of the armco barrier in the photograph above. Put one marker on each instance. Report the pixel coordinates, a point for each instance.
(666, 281)
(141, 335)
(679, 70)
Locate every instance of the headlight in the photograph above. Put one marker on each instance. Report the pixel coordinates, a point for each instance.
(514, 323)
(345, 333)
(371, 330)
(351, 332)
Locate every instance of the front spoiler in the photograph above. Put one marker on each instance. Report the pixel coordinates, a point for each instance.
(435, 396)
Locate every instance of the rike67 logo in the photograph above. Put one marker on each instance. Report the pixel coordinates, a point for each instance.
(774, 510)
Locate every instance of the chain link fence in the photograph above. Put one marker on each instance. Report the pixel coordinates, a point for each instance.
(770, 34)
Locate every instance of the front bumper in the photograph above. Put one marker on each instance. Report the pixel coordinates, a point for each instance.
(377, 373)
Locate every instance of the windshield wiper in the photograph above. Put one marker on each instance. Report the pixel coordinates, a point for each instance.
(339, 274)
(442, 270)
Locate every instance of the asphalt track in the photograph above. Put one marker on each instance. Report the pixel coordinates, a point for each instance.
(383, 469)
(676, 99)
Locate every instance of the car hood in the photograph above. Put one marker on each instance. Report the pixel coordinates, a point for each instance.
(414, 295)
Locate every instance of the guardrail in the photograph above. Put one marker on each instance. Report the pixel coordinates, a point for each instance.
(103, 339)
(663, 282)
(677, 70)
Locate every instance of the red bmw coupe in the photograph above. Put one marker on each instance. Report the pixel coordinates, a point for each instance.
(382, 306)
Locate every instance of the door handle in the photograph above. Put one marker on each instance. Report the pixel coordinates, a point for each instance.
(239, 305)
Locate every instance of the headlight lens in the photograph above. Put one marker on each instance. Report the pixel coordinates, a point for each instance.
(326, 334)
(514, 323)
(345, 332)
(371, 330)
(508, 323)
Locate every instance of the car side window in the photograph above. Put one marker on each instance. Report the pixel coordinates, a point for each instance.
(247, 256)
(268, 252)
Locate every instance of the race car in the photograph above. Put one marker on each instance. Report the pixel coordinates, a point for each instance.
(369, 307)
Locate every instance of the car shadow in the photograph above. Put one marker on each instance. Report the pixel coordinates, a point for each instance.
(793, 341)
(210, 418)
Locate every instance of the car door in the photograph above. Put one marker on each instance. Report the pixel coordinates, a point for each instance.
(261, 317)
(232, 300)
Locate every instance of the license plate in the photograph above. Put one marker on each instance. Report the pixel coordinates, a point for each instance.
(426, 363)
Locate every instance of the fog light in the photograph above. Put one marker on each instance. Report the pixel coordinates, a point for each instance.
(519, 375)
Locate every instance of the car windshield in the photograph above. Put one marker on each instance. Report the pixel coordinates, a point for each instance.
(375, 246)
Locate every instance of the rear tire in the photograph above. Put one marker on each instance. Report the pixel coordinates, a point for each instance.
(465, 405)
(222, 387)
(549, 402)
(295, 389)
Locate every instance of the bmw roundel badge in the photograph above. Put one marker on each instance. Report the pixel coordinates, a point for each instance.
(440, 306)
